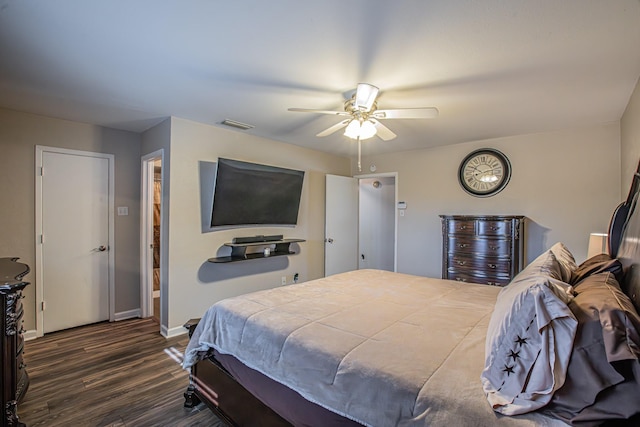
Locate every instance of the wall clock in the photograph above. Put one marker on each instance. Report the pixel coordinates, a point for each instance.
(484, 172)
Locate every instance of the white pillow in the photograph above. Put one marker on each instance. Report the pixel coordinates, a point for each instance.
(545, 264)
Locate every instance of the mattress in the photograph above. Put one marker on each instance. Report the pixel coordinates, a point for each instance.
(379, 348)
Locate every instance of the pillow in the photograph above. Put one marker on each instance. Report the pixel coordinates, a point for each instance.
(597, 264)
(529, 340)
(605, 354)
(565, 259)
(546, 264)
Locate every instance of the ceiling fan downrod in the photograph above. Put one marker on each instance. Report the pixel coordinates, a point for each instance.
(359, 155)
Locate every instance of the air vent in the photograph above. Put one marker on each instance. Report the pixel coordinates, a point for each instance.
(237, 125)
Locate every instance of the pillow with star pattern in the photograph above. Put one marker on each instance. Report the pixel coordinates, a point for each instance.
(529, 339)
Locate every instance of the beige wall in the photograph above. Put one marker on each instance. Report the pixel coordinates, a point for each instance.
(19, 134)
(193, 282)
(630, 140)
(567, 183)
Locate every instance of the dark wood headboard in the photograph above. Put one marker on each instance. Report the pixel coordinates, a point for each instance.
(629, 245)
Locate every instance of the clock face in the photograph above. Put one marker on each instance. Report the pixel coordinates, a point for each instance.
(484, 172)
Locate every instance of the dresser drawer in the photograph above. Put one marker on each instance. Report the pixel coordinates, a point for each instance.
(461, 227)
(494, 228)
(479, 278)
(489, 266)
(480, 246)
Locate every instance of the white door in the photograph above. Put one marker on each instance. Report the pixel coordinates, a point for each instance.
(75, 272)
(341, 225)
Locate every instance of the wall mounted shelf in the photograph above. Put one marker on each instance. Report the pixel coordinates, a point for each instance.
(239, 250)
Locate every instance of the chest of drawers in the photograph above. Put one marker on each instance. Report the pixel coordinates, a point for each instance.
(482, 249)
(15, 380)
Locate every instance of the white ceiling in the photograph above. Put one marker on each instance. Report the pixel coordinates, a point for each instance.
(492, 67)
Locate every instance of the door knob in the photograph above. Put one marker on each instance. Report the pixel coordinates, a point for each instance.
(100, 248)
(329, 240)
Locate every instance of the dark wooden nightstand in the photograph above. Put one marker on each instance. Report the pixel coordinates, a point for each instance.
(15, 380)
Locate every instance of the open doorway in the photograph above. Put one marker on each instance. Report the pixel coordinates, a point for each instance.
(360, 223)
(377, 223)
(151, 237)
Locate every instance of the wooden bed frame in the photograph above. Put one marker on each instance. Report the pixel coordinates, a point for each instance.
(238, 407)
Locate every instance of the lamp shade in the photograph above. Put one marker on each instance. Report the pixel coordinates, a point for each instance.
(365, 130)
(597, 244)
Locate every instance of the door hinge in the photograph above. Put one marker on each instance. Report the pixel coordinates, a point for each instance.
(43, 306)
(41, 170)
(41, 238)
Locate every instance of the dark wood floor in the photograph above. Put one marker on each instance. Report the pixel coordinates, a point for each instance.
(109, 374)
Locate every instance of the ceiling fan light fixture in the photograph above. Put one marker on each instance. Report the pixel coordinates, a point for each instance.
(365, 130)
(365, 96)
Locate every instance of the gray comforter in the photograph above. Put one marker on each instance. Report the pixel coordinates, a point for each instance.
(381, 348)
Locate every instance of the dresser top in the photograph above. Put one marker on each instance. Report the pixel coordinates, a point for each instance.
(12, 272)
(489, 217)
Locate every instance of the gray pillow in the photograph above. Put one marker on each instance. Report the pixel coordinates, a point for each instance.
(597, 264)
(604, 370)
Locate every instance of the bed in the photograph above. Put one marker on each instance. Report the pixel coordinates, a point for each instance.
(559, 345)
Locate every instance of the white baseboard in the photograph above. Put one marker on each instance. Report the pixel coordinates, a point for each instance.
(124, 315)
(173, 332)
(31, 334)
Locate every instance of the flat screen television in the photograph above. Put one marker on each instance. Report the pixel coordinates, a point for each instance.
(247, 194)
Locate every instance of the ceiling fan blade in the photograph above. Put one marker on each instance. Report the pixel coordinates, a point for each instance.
(311, 110)
(365, 96)
(407, 113)
(382, 131)
(334, 128)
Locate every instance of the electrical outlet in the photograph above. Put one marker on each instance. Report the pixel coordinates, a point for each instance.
(284, 280)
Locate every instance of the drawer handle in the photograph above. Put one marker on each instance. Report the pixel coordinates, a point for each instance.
(494, 248)
(462, 227)
(461, 262)
(492, 266)
(492, 283)
(494, 228)
(462, 245)
(22, 365)
(460, 279)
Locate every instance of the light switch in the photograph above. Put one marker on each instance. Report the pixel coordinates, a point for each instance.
(123, 210)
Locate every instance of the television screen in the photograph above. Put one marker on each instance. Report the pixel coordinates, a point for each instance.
(254, 194)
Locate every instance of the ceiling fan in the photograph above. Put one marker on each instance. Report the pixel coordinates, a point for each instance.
(363, 117)
(362, 108)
